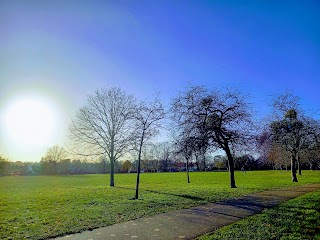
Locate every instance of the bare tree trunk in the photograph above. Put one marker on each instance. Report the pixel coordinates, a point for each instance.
(54, 167)
(204, 162)
(197, 162)
(293, 169)
(104, 166)
(187, 169)
(138, 180)
(231, 167)
(112, 160)
(139, 166)
(112, 172)
(299, 166)
(157, 165)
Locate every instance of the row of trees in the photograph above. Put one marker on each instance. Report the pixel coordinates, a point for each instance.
(113, 126)
(202, 121)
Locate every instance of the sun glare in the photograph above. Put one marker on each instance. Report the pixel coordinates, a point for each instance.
(29, 122)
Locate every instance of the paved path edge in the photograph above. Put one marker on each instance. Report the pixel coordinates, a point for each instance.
(195, 221)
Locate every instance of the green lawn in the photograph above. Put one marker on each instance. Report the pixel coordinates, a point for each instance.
(296, 219)
(48, 206)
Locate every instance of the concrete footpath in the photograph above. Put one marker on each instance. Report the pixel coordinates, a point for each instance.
(196, 221)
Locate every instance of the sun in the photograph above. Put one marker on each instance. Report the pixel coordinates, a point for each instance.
(29, 122)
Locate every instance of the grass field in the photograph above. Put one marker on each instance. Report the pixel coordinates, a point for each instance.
(48, 206)
(296, 219)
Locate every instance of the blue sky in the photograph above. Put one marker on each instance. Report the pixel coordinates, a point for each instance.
(66, 49)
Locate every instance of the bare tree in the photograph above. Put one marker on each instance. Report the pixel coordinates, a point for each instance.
(310, 144)
(151, 150)
(220, 161)
(163, 152)
(294, 131)
(284, 102)
(54, 155)
(278, 156)
(104, 126)
(220, 119)
(147, 116)
(185, 147)
(289, 133)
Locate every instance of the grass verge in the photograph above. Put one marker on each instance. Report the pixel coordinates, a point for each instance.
(296, 219)
(48, 206)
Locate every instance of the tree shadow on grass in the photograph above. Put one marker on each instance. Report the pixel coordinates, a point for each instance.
(256, 203)
(251, 203)
(193, 198)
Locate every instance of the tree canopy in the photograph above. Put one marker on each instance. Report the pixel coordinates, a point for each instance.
(215, 119)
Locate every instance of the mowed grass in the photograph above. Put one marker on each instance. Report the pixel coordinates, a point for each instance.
(48, 206)
(296, 219)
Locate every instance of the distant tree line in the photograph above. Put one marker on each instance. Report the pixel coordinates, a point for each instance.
(149, 164)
